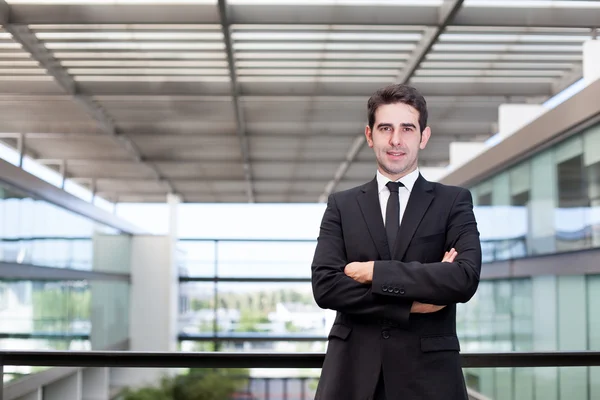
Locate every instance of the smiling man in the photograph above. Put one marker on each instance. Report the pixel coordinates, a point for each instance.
(393, 258)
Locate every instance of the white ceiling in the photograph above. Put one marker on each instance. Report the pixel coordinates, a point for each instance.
(264, 101)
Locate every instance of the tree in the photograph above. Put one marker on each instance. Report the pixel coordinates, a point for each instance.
(197, 384)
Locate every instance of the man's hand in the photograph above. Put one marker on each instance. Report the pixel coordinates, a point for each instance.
(361, 272)
(421, 308)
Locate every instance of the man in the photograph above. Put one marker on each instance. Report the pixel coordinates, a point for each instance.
(393, 258)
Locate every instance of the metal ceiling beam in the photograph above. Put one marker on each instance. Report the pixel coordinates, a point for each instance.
(567, 79)
(179, 161)
(283, 14)
(27, 39)
(474, 99)
(4, 12)
(465, 130)
(107, 181)
(235, 95)
(278, 89)
(446, 13)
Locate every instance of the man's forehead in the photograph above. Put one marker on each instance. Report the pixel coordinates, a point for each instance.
(397, 113)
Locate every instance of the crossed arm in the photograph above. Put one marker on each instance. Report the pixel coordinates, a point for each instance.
(362, 272)
(355, 288)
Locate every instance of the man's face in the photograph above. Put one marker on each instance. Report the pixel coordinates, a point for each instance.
(396, 139)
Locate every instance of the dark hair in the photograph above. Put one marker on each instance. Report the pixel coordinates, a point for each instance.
(398, 93)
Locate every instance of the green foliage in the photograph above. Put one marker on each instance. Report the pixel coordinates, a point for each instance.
(163, 392)
(197, 384)
(54, 309)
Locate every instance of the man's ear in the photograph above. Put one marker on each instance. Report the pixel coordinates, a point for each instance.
(425, 135)
(369, 136)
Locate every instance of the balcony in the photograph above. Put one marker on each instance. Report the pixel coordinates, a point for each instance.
(78, 362)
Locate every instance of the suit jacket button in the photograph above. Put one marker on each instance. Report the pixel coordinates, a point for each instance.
(385, 334)
(396, 290)
(384, 288)
(401, 291)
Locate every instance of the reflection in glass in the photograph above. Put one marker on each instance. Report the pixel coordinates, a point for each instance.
(572, 232)
(39, 233)
(253, 311)
(548, 203)
(45, 309)
(240, 258)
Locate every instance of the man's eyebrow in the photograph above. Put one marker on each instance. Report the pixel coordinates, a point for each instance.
(404, 125)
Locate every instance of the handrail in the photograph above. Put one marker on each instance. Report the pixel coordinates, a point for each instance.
(265, 360)
(269, 360)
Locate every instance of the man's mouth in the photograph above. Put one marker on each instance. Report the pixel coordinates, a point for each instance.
(396, 153)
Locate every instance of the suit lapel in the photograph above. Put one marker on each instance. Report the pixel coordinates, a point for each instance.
(368, 200)
(418, 203)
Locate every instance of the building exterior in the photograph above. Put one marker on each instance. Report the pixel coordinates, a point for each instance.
(539, 290)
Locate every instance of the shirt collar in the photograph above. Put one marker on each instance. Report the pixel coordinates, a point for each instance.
(408, 180)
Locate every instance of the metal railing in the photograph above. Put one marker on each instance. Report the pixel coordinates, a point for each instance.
(266, 360)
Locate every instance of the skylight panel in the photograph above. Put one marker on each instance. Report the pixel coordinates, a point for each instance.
(500, 56)
(142, 63)
(486, 72)
(325, 46)
(505, 47)
(123, 27)
(479, 37)
(494, 64)
(319, 63)
(532, 3)
(328, 28)
(111, 2)
(104, 55)
(135, 46)
(318, 71)
(423, 3)
(131, 36)
(251, 55)
(323, 36)
(151, 78)
(147, 71)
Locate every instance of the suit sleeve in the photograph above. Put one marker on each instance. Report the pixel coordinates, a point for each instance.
(438, 283)
(333, 289)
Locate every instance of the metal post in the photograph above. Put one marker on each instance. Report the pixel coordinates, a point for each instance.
(93, 189)
(1, 378)
(21, 147)
(267, 396)
(216, 344)
(303, 388)
(285, 388)
(63, 173)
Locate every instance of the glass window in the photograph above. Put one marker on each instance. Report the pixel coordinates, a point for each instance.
(572, 198)
(36, 232)
(591, 160)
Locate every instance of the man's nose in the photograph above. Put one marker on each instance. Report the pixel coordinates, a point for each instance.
(396, 139)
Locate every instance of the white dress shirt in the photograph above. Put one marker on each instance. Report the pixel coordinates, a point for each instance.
(403, 192)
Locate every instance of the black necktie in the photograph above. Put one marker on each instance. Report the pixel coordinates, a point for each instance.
(392, 214)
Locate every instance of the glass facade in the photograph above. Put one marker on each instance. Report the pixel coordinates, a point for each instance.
(249, 295)
(60, 315)
(541, 313)
(36, 232)
(547, 204)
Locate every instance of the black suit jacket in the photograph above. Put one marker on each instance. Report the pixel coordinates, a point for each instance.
(374, 330)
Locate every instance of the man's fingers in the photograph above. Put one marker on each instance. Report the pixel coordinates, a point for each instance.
(422, 308)
(449, 256)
